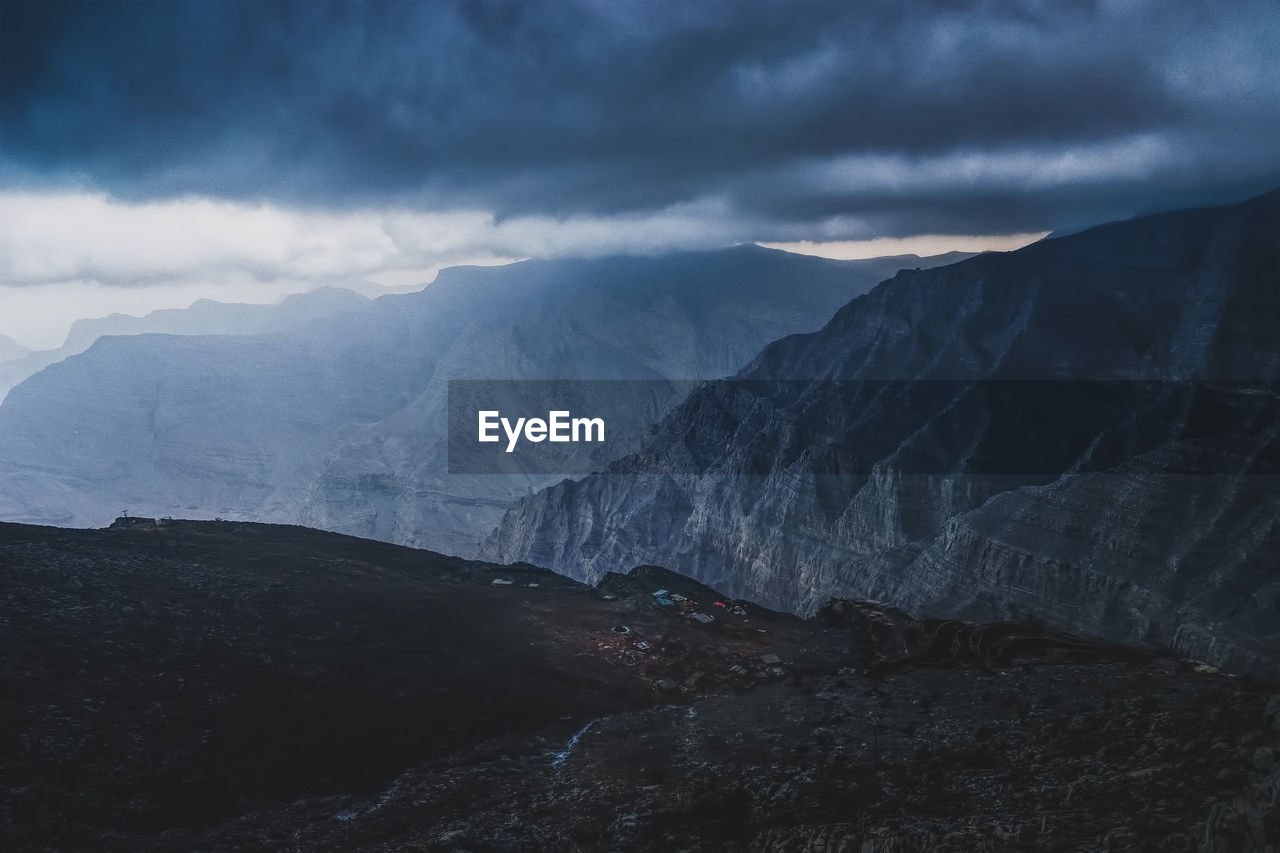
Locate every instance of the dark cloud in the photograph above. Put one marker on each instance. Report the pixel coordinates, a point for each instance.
(892, 115)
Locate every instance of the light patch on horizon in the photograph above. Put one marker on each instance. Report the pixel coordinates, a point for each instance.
(415, 279)
(68, 256)
(84, 237)
(923, 245)
(40, 317)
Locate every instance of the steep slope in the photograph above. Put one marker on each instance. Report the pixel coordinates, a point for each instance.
(691, 316)
(1012, 435)
(340, 424)
(204, 317)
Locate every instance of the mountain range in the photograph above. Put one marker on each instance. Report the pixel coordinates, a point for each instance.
(203, 317)
(1084, 431)
(338, 422)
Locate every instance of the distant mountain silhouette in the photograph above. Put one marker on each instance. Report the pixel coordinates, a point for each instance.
(204, 317)
(11, 349)
(340, 423)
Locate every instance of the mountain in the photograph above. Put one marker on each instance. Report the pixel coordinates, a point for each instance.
(340, 424)
(208, 317)
(182, 686)
(1086, 430)
(11, 349)
(204, 317)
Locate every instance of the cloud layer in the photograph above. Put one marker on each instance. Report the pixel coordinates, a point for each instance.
(795, 120)
(50, 238)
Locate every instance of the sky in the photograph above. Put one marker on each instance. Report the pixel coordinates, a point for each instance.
(156, 151)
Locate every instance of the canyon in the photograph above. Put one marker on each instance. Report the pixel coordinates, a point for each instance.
(1084, 431)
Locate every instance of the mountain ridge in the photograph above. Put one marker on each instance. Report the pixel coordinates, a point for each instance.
(203, 317)
(1173, 297)
(339, 424)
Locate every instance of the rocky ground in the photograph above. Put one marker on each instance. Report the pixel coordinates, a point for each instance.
(214, 686)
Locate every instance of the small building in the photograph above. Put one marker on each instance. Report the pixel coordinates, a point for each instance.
(502, 582)
(665, 602)
(703, 618)
(770, 660)
(659, 593)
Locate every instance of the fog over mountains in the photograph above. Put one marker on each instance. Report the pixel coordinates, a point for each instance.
(1145, 509)
(1126, 488)
(329, 410)
(204, 317)
(11, 349)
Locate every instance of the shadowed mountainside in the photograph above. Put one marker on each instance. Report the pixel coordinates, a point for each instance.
(1085, 430)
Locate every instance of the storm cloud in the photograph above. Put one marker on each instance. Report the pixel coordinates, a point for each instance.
(792, 120)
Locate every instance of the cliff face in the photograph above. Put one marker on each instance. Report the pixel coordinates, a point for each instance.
(341, 424)
(1084, 430)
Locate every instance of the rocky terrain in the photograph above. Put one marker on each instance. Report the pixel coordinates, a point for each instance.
(341, 424)
(232, 686)
(1086, 430)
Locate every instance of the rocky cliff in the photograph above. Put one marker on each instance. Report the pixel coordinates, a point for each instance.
(1084, 430)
